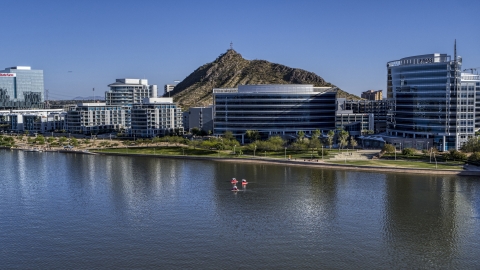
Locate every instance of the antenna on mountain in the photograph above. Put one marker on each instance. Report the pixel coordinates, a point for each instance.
(231, 45)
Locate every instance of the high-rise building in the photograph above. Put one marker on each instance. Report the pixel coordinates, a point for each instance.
(129, 91)
(428, 104)
(21, 88)
(168, 88)
(372, 95)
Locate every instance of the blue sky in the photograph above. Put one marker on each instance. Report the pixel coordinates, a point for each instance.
(346, 42)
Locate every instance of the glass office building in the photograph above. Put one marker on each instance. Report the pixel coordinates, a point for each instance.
(427, 101)
(21, 87)
(274, 109)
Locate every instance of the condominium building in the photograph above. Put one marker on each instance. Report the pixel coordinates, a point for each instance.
(21, 88)
(354, 122)
(428, 103)
(155, 117)
(273, 109)
(129, 91)
(372, 95)
(95, 118)
(33, 120)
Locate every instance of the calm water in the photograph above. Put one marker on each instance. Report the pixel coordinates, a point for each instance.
(78, 211)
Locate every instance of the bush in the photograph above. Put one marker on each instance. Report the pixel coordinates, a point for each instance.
(408, 151)
(456, 155)
(388, 148)
(475, 157)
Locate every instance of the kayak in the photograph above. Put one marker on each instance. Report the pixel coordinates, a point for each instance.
(244, 183)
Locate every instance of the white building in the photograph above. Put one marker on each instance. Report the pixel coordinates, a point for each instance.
(35, 120)
(129, 91)
(156, 116)
(94, 118)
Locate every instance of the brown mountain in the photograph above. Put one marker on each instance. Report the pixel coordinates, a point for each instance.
(230, 70)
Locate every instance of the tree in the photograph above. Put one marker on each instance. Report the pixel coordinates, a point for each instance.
(252, 135)
(330, 136)
(316, 133)
(343, 138)
(314, 143)
(228, 135)
(475, 157)
(195, 131)
(353, 142)
(301, 135)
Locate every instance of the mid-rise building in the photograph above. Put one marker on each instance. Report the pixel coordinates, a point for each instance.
(156, 117)
(21, 88)
(273, 109)
(95, 118)
(199, 117)
(354, 122)
(372, 95)
(129, 91)
(33, 120)
(379, 108)
(428, 103)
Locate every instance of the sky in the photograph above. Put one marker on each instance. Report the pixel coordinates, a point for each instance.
(81, 45)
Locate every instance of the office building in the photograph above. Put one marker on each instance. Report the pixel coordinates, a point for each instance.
(273, 109)
(379, 109)
(156, 117)
(199, 117)
(372, 95)
(429, 106)
(21, 88)
(355, 123)
(470, 86)
(129, 91)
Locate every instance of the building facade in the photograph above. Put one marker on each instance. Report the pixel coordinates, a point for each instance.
(21, 88)
(379, 109)
(199, 117)
(470, 87)
(96, 118)
(129, 91)
(156, 117)
(372, 95)
(273, 109)
(428, 102)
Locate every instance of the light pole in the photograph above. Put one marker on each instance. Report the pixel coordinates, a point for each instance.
(254, 149)
(322, 152)
(234, 148)
(265, 154)
(395, 152)
(183, 149)
(285, 152)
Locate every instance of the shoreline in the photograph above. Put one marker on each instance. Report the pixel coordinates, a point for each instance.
(312, 164)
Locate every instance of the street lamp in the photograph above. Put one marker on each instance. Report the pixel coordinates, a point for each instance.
(234, 149)
(254, 149)
(265, 154)
(285, 152)
(322, 152)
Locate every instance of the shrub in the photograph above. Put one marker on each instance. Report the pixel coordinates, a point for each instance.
(475, 157)
(408, 151)
(388, 148)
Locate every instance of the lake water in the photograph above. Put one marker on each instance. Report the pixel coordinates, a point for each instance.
(64, 211)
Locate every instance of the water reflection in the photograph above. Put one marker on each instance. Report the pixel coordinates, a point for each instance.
(131, 210)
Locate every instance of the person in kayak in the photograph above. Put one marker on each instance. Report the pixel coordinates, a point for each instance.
(234, 188)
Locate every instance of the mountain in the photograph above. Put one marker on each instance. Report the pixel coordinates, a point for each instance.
(230, 70)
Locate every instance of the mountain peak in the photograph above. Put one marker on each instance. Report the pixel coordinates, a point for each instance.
(230, 69)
